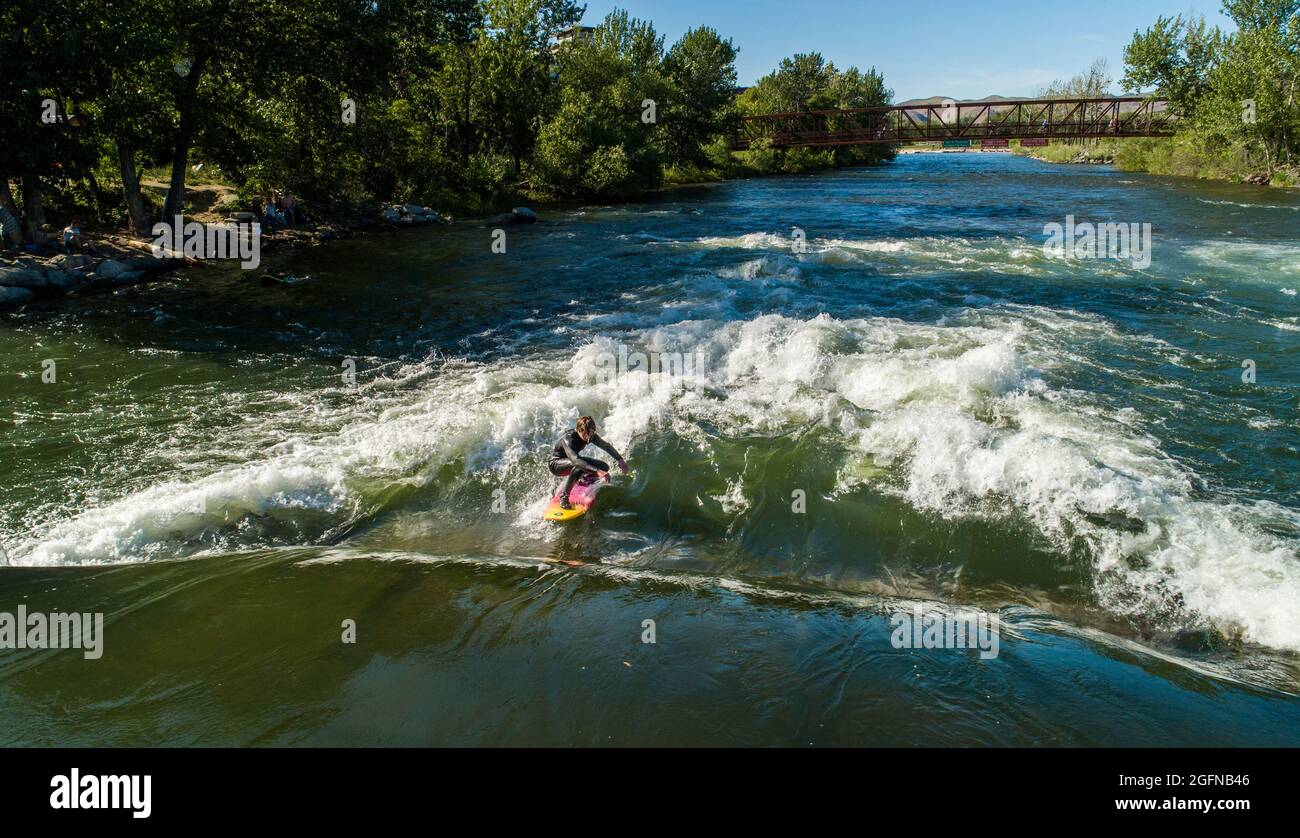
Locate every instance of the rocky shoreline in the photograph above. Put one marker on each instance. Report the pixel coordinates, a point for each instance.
(1082, 157)
(109, 262)
(1107, 158)
(31, 278)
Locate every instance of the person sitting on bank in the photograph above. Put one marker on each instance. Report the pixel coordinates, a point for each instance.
(270, 218)
(286, 219)
(293, 211)
(72, 236)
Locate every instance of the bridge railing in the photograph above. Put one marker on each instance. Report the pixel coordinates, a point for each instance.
(1126, 116)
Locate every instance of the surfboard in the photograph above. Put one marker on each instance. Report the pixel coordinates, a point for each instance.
(581, 498)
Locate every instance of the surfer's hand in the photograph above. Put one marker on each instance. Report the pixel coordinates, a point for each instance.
(622, 464)
(603, 475)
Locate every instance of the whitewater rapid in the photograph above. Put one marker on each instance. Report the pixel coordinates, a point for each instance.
(959, 418)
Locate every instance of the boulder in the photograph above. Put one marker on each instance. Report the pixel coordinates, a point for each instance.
(64, 281)
(144, 263)
(110, 269)
(18, 277)
(14, 297)
(128, 278)
(73, 260)
(519, 215)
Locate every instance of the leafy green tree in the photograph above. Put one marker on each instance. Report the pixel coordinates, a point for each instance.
(701, 69)
(40, 143)
(808, 82)
(801, 78)
(1251, 100)
(856, 89)
(1234, 91)
(1175, 57)
(513, 80)
(601, 141)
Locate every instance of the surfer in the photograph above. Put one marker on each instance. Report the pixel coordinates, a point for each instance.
(567, 462)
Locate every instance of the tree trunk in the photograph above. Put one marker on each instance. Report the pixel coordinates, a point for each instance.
(465, 130)
(7, 196)
(33, 208)
(188, 106)
(102, 200)
(13, 227)
(180, 162)
(131, 189)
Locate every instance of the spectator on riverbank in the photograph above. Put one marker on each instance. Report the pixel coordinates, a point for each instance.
(271, 219)
(72, 236)
(293, 210)
(11, 231)
(282, 212)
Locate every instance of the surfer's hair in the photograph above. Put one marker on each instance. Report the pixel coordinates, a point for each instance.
(587, 424)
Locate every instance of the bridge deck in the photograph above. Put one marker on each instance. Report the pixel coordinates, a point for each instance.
(1128, 116)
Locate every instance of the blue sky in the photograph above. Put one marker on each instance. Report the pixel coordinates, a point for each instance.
(938, 48)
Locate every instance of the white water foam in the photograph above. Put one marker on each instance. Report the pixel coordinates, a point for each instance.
(956, 412)
(904, 255)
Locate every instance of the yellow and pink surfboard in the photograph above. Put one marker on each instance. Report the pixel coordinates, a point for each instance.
(581, 499)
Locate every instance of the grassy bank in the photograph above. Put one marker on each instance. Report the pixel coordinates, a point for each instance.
(762, 160)
(1179, 156)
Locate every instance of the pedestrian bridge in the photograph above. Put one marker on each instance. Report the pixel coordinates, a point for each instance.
(992, 123)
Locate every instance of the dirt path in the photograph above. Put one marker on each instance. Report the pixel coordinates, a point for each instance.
(201, 200)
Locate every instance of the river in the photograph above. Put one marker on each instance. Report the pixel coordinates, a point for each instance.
(919, 409)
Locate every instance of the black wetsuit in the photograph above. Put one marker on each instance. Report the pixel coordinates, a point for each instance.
(567, 462)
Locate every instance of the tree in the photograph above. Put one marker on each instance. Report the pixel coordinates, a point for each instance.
(1251, 97)
(856, 89)
(601, 140)
(701, 69)
(1175, 57)
(800, 78)
(513, 79)
(1234, 90)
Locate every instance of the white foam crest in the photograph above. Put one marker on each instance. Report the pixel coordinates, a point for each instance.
(1015, 256)
(955, 411)
(1247, 206)
(969, 429)
(1250, 258)
(490, 417)
(137, 527)
(748, 241)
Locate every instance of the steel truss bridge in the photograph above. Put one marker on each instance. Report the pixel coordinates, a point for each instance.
(993, 123)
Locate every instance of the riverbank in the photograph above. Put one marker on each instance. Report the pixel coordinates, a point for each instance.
(105, 261)
(1175, 156)
(110, 259)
